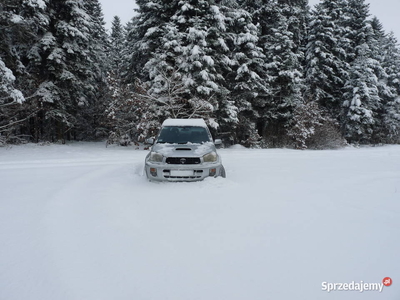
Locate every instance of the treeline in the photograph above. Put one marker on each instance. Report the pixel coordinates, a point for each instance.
(263, 73)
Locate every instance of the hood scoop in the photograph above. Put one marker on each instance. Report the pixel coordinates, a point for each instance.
(183, 149)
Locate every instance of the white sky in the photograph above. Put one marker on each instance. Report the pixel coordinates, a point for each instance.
(121, 8)
(387, 11)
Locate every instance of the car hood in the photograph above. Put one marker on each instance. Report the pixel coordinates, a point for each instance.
(184, 150)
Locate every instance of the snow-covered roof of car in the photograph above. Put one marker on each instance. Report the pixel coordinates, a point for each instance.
(184, 122)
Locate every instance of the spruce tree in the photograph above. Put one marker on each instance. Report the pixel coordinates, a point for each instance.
(22, 23)
(367, 89)
(391, 99)
(90, 117)
(58, 66)
(245, 73)
(357, 27)
(117, 45)
(144, 35)
(186, 68)
(10, 101)
(284, 60)
(326, 60)
(282, 30)
(362, 98)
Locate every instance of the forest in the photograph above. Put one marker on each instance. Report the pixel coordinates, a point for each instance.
(261, 73)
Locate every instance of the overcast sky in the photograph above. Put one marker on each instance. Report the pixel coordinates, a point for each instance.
(387, 11)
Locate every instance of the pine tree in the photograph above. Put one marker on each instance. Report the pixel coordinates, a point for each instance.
(244, 76)
(8, 93)
(284, 60)
(66, 70)
(262, 20)
(391, 99)
(306, 121)
(362, 98)
(190, 60)
(21, 24)
(367, 89)
(91, 117)
(117, 42)
(357, 27)
(10, 100)
(144, 35)
(282, 30)
(326, 61)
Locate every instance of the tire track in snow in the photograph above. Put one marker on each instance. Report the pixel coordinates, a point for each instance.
(57, 163)
(83, 225)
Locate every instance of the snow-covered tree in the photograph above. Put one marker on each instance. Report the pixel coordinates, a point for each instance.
(144, 34)
(391, 98)
(284, 63)
(281, 31)
(357, 28)
(122, 113)
(245, 73)
(117, 45)
(191, 51)
(326, 60)
(307, 118)
(10, 97)
(68, 68)
(8, 93)
(362, 98)
(90, 117)
(21, 22)
(367, 89)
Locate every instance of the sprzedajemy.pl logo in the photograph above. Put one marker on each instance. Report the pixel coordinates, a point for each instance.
(356, 286)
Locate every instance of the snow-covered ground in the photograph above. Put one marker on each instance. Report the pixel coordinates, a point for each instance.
(80, 222)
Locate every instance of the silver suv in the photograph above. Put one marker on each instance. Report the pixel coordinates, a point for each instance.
(183, 151)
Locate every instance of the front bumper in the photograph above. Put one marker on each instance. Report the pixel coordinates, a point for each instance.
(170, 172)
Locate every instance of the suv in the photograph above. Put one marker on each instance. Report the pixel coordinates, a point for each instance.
(183, 151)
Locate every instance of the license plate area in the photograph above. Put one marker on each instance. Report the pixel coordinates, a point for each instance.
(181, 173)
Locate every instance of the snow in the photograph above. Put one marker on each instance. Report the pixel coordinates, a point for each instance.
(47, 91)
(223, 45)
(212, 123)
(151, 31)
(7, 75)
(36, 3)
(186, 7)
(218, 17)
(16, 19)
(195, 51)
(246, 38)
(184, 122)
(57, 55)
(17, 96)
(80, 221)
(204, 74)
(7, 79)
(48, 40)
(195, 34)
(208, 60)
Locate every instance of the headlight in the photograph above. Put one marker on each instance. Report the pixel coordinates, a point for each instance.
(155, 157)
(210, 157)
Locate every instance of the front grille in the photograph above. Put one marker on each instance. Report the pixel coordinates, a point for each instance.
(183, 160)
(197, 174)
(182, 177)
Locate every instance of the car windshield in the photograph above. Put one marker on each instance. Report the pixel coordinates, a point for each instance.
(183, 135)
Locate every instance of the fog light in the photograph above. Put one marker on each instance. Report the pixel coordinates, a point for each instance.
(213, 172)
(153, 172)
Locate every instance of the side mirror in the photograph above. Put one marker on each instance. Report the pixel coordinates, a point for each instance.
(150, 141)
(218, 143)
